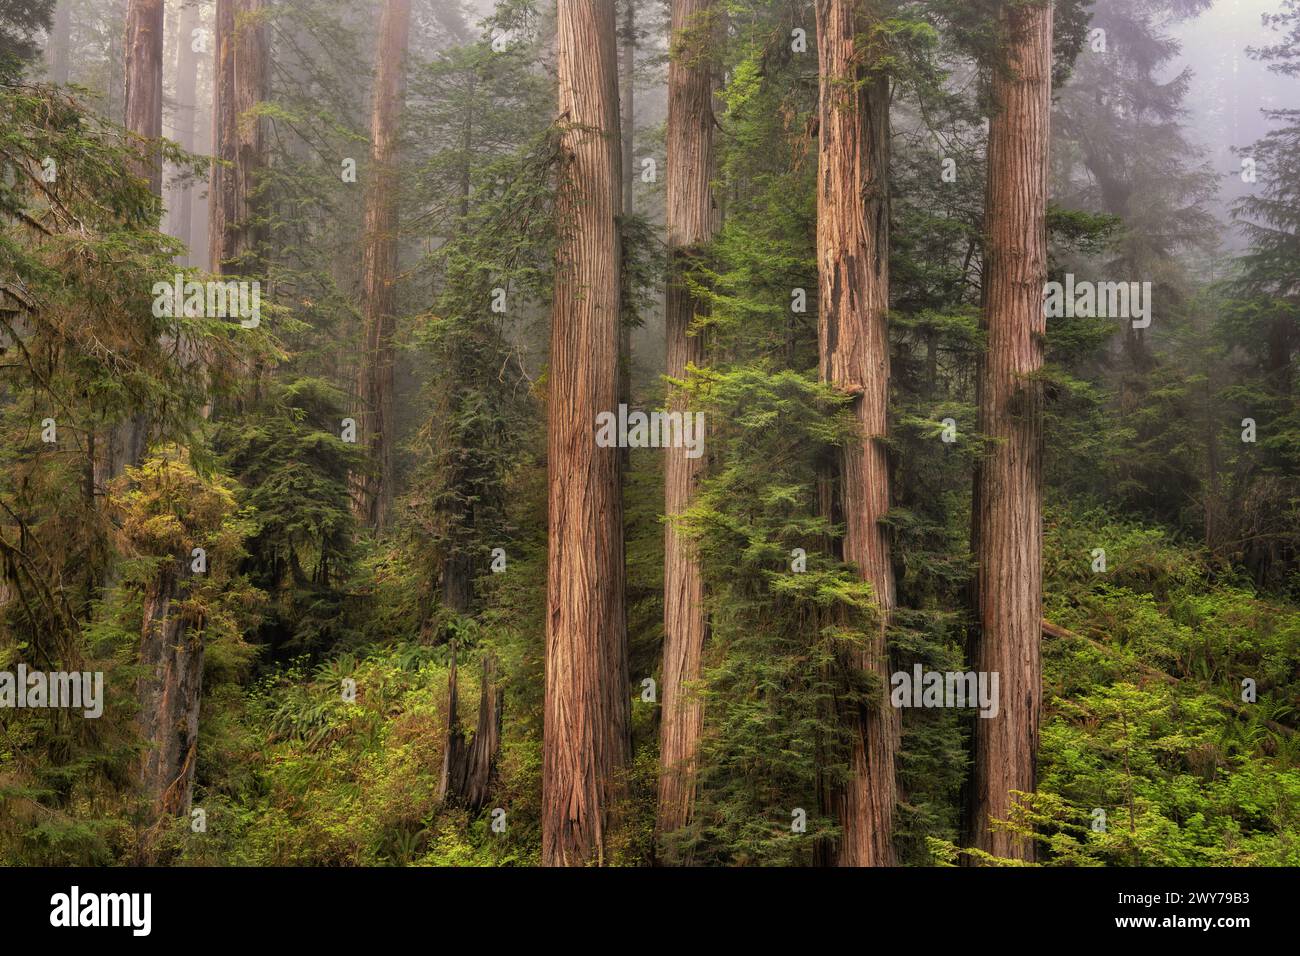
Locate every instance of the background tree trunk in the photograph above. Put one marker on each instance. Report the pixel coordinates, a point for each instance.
(59, 50)
(180, 213)
(853, 339)
(239, 85)
(627, 82)
(692, 221)
(124, 444)
(373, 493)
(144, 80)
(1007, 530)
(586, 738)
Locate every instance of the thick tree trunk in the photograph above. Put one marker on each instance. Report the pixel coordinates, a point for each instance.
(239, 85)
(373, 492)
(1007, 519)
(853, 277)
(180, 213)
(171, 657)
(692, 220)
(586, 738)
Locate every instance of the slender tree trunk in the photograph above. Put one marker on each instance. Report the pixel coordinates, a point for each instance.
(59, 49)
(239, 85)
(586, 737)
(1007, 519)
(627, 83)
(853, 275)
(373, 494)
(180, 214)
(692, 221)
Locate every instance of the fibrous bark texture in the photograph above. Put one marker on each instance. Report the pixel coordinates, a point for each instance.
(1007, 515)
(373, 493)
(586, 738)
(692, 220)
(853, 277)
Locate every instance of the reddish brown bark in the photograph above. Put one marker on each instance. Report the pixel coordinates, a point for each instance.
(144, 75)
(239, 85)
(1007, 513)
(373, 492)
(853, 277)
(586, 737)
(692, 220)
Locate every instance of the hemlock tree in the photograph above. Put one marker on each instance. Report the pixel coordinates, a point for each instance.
(1007, 511)
(586, 736)
(373, 493)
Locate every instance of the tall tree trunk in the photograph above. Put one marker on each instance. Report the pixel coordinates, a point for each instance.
(58, 51)
(180, 213)
(853, 339)
(373, 493)
(125, 443)
(586, 737)
(144, 81)
(239, 85)
(170, 687)
(1007, 518)
(692, 221)
(627, 83)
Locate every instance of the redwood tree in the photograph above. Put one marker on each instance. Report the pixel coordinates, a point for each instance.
(373, 493)
(692, 220)
(239, 86)
(180, 215)
(1007, 513)
(853, 279)
(586, 735)
(144, 79)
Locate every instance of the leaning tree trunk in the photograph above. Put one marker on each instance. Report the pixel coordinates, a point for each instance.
(171, 660)
(853, 339)
(692, 221)
(1007, 520)
(373, 492)
(586, 740)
